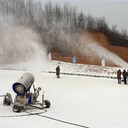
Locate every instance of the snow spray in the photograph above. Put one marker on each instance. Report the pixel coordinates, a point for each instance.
(21, 47)
(94, 50)
(76, 43)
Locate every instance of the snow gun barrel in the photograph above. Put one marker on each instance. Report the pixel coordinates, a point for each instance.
(23, 84)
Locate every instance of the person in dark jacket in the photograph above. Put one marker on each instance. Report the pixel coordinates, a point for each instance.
(125, 76)
(58, 71)
(119, 76)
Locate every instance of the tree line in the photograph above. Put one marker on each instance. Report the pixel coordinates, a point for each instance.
(47, 18)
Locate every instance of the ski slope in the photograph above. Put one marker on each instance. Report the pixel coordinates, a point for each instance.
(76, 101)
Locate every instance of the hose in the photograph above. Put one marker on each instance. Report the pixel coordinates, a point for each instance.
(2, 95)
(28, 114)
(51, 118)
(62, 121)
(48, 117)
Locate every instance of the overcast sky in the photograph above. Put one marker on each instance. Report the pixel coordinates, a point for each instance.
(114, 11)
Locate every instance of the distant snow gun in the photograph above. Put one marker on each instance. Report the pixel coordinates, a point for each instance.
(24, 97)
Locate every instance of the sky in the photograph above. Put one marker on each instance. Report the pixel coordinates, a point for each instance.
(114, 11)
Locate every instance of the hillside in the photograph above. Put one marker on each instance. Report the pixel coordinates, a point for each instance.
(122, 52)
(101, 39)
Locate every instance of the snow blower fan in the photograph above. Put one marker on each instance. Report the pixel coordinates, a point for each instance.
(24, 97)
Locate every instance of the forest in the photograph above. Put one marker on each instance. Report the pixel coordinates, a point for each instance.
(51, 21)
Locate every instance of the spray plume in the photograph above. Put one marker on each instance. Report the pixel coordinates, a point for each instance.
(21, 46)
(94, 50)
(58, 30)
(69, 42)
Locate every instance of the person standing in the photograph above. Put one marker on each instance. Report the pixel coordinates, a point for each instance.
(58, 71)
(119, 76)
(125, 76)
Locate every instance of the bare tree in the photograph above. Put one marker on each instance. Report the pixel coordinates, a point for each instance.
(52, 20)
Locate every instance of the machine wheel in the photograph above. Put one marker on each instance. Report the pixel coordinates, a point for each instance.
(47, 103)
(17, 108)
(6, 101)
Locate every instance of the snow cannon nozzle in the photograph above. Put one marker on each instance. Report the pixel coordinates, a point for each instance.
(23, 84)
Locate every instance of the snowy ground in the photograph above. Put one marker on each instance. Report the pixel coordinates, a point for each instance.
(73, 68)
(87, 101)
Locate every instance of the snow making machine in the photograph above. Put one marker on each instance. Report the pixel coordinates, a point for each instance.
(24, 97)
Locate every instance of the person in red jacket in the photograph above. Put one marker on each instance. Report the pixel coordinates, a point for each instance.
(119, 76)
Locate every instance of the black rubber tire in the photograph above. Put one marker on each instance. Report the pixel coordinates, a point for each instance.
(47, 103)
(17, 108)
(6, 101)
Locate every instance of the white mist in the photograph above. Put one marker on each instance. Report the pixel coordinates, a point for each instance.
(21, 46)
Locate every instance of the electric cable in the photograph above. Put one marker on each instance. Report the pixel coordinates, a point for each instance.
(62, 121)
(58, 120)
(15, 115)
(48, 117)
(28, 114)
(2, 95)
(51, 118)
